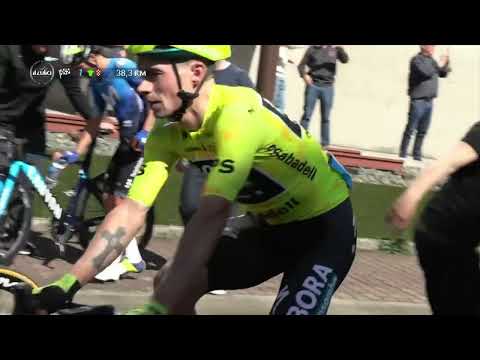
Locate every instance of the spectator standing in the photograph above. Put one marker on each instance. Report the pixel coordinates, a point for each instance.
(321, 61)
(422, 89)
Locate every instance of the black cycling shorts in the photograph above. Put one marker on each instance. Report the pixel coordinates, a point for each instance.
(123, 168)
(314, 256)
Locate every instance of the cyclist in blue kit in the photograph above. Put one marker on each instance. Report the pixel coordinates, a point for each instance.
(114, 83)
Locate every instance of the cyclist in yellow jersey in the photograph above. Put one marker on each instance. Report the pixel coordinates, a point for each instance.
(302, 223)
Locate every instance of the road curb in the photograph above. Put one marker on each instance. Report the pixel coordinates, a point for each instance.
(250, 304)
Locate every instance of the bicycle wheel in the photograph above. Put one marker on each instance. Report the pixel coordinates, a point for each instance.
(91, 213)
(8, 279)
(15, 229)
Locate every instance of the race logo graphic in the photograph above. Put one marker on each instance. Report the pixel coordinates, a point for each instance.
(42, 73)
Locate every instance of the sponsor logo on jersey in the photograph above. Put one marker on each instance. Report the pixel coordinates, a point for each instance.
(127, 123)
(225, 166)
(314, 296)
(284, 209)
(142, 169)
(139, 166)
(303, 167)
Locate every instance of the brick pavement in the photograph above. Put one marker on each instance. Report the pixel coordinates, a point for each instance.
(375, 276)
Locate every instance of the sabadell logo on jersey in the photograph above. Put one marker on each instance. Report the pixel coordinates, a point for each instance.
(302, 167)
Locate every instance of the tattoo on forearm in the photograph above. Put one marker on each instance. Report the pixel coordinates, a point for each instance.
(113, 244)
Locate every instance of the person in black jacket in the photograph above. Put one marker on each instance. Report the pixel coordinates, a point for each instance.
(321, 61)
(446, 233)
(422, 89)
(22, 108)
(22, 99)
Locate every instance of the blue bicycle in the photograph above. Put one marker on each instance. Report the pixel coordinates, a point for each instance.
(84, 212)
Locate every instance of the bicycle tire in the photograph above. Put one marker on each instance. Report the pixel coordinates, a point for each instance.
(17, 224)
(90, 219)
(8, 280)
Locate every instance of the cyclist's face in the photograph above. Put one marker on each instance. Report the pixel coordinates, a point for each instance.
(160, 87)
(92, 59)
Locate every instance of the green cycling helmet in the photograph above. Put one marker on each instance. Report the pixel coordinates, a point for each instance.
(179, 53)
(174, 54)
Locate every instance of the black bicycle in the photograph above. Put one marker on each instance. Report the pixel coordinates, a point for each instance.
(86, 211)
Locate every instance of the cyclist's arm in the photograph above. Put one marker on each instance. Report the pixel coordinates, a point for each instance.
(160, 154)
(71, 84)
(124, 221)
(87, 137)
(116, 231)
(91, 129)
(194, 249)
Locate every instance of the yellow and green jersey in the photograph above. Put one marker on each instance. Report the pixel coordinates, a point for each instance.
(253, 154)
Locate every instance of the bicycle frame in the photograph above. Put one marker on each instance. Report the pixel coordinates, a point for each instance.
(36, 179)
(34, 176)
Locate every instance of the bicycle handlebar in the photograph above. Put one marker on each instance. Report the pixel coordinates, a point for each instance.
(25, 305)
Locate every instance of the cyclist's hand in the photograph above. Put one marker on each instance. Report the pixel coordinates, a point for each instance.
(52, 297)
(40, 301)
(139, 141)
(70, 156)
(402, 212)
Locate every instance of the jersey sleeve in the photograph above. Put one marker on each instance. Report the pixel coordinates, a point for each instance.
(472, 138)
(237, 139)
(129, 109)
(159, 155)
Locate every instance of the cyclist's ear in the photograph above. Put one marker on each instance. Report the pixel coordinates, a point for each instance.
(198, 70)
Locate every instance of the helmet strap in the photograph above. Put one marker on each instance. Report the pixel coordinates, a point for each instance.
(186, 97)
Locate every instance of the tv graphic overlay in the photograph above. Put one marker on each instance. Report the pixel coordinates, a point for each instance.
(42, 72)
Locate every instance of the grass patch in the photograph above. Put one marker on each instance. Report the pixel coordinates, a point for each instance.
(370, 203)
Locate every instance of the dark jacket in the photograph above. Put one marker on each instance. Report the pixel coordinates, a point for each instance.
(233, 76)
(21, 99)
(322, 63)
(423, 77)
